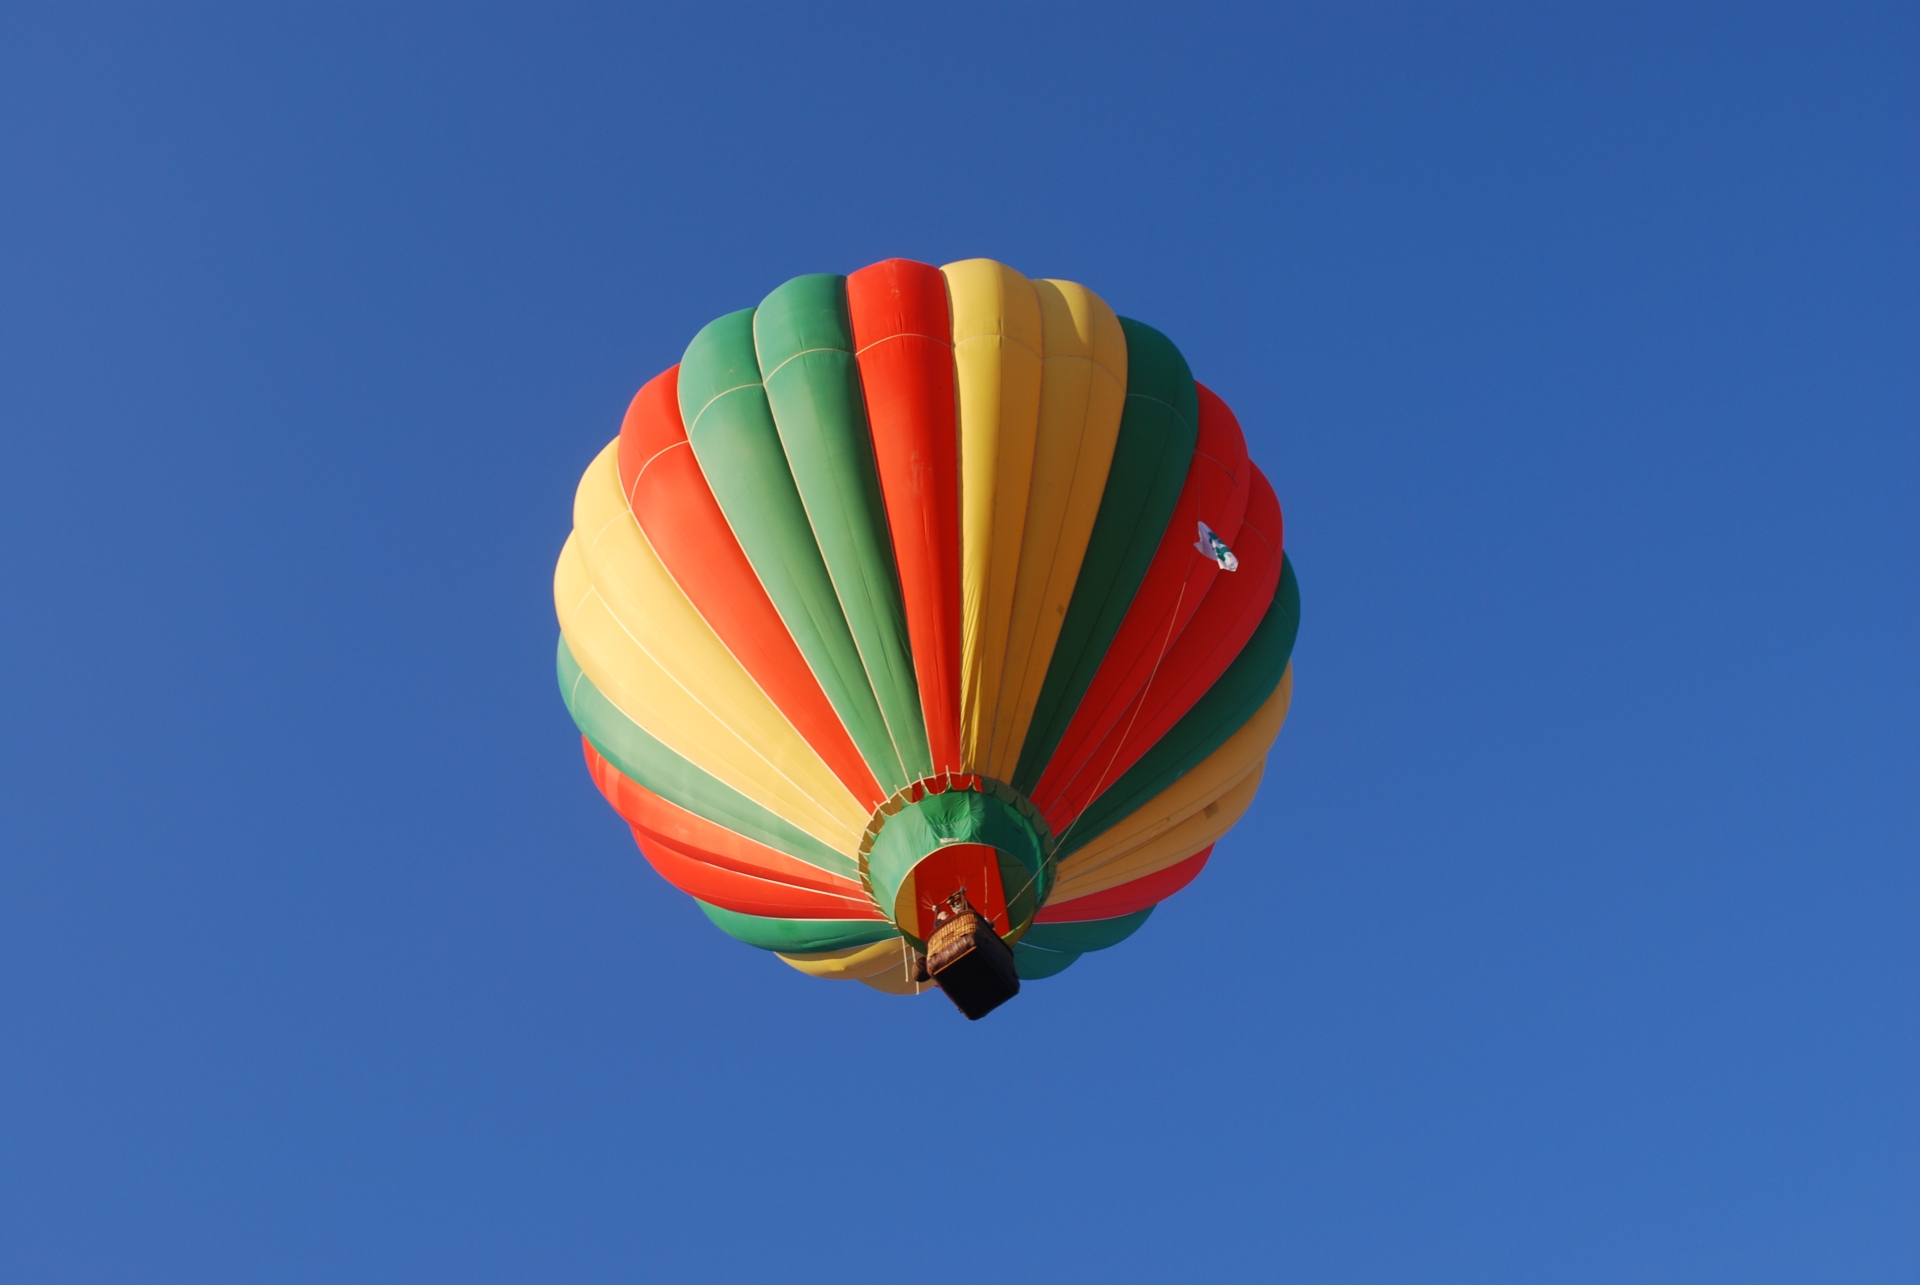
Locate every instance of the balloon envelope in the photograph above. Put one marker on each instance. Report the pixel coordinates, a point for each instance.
(892, 588)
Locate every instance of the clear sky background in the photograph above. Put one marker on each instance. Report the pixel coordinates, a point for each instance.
(1572, 937)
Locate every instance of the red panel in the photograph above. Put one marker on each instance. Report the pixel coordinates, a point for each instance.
(903, 336)
(974, 866)
(1176, 582)
(731, 890)
(660, 826)
(1147, 890)
(671, 500)
(1227, 617)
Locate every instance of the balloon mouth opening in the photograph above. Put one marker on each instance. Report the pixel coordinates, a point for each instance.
(957, 833)
(971, 871)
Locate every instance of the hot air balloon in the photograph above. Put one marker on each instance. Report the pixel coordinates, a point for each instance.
(928, 626)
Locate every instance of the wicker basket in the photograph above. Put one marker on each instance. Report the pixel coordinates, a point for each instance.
(966, 959)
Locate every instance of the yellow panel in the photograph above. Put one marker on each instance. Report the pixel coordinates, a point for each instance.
(1175, 845)
(882, 966)
(642, 596)
(852, 963)
(1164, 823)
(997, 344)
(646, 693)
(1206, 781)
(1083, 389)
(896, 982)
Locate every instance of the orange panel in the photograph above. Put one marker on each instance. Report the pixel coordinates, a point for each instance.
(903, 339)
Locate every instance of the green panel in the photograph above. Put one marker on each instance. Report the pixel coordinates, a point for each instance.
(804, 340)
(1087, 934)
(1034, 962)
(1224, 710)
(1158, 430)
(629, 747)
(960, 816)
(1050, 948)
(732, 431)
(797, 936)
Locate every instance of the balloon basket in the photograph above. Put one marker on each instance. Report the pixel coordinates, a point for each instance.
(967, 959)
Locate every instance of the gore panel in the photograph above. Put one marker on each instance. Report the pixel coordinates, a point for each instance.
(804, 341)
(745, 894)
(1177, 580)
(895, 981)
(1034, 962)
(1158, 430)
(1083, 387)
(1048, 949)
(730, 425)
(902, 337)
(1197, 790)
(997, 342)
(653, 817)
(800, 936)
(1228, 615)
(853, 962)
(1228, 704)
(1148, 890)
(669, 497)
(1081, 936)
(643, 758)
(1201, 830)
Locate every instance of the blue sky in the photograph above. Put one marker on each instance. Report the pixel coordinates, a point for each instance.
(1571, 937)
